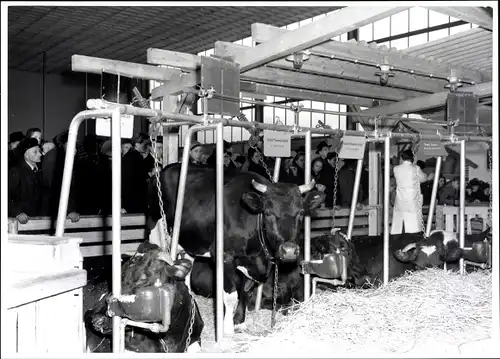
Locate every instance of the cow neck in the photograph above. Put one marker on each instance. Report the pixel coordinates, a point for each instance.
(261, 232)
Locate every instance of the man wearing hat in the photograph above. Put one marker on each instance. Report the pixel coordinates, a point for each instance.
(25, 183)
(195, 153)
(14, 139)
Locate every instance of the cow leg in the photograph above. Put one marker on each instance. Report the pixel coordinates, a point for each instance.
(244, 291)
(230, 297)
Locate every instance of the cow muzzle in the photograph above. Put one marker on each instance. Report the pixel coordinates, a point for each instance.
(332, 266)
(288, 252)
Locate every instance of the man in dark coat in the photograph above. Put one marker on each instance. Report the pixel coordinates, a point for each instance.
(347, 175)
(52, 176)
(25, 183)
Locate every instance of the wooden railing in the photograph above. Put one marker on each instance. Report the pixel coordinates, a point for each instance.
(95, 231)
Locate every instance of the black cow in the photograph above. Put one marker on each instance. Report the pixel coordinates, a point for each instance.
(364, 260)
(149, 285)
(261, 220)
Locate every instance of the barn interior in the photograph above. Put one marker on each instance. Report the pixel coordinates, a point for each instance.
(402, 69)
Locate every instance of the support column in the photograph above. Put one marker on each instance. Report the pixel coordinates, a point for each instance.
(374, 190)
(350, 120)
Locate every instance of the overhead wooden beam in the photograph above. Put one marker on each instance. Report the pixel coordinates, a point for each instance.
(317, 32)
(296, 79)
(341, 69)
(472, 14)
(351, 51)
(177, 59)
(302, 94)
(427, 102)
(98, 65)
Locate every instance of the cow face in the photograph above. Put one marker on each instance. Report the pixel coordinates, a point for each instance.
(283, 206)
(438, 248)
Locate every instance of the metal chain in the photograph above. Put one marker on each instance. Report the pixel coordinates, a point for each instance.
(275, 295)
(335, 182)
(168, 238)
(242, 117)
(191, 322)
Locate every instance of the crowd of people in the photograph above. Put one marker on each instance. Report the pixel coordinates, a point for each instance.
(36, 168)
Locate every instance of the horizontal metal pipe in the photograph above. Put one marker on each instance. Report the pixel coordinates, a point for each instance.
(193, 119)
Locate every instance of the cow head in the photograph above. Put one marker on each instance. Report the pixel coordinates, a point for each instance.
(438, 248)
(340, 253)
(283, 207)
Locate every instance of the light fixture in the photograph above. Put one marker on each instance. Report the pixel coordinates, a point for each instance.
(453, 81)
(298, 58)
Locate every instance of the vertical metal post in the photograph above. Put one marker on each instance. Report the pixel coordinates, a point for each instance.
(435, 186)
(219, 262)
(387, 178)
(462, 202)
(307, 219)
(260, 287)
(179, 204)
(116, 163)
(352, 214)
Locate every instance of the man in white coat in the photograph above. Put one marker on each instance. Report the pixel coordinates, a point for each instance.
(408, 203)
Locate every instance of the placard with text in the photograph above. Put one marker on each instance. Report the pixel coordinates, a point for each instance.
(277, 144)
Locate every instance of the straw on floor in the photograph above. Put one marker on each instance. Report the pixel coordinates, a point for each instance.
(410, 312)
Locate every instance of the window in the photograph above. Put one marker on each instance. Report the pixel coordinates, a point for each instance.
(400, 44)
(365, 33)
(418, 18)
(103, 126)
(382, 28)
(460, 28)
(438, 34)
(399, 23)
(417, 40)
(436, 18)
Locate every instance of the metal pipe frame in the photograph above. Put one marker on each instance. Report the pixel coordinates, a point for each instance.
(352, 214)
(219, 258)
(387, 178)
(432, 205)
(307, 219)
(193, 119)
(462, 202)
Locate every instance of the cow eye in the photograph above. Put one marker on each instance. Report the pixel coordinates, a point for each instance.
(302, 212)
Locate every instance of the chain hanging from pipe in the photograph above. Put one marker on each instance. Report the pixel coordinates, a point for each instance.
(153, 133)
(490, 182)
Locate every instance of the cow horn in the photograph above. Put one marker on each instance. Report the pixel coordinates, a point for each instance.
(409, 246)
(307, 187)
(262, 188)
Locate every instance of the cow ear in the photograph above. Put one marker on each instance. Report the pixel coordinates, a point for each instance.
(253, 202)
(313, 200)
(452, 252)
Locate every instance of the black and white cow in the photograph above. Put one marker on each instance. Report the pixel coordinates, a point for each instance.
(147, 280)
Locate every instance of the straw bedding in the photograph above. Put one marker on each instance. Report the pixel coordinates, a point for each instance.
(429, 310)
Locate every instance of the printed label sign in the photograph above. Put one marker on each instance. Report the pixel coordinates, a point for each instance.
(277, 143)
(353, 147)
(430, 149)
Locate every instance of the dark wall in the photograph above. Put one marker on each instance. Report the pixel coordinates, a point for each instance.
(65, 96)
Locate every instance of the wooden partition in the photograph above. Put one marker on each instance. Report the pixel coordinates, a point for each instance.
(95, 231)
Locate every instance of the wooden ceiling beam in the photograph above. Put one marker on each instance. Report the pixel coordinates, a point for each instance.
(353, 51)
(298, 79)
(317, 32)
(98, 65)
(427, 102)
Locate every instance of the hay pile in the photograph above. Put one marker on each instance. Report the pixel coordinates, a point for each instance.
(426, 312)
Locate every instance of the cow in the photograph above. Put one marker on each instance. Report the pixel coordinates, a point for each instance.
(262, 221)
(154, 292)
(364, 261)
